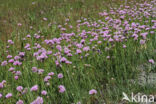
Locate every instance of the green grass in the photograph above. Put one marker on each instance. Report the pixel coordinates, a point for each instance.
(110, 77)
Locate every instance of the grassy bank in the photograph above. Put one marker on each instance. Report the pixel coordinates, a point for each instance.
(75, 51)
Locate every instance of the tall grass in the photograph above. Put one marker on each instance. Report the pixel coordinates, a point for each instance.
(107, 67)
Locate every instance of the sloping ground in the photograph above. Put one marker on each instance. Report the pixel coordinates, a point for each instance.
(30, 13)
(75, 52)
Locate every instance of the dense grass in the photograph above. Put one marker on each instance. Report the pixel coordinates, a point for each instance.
(106, 67)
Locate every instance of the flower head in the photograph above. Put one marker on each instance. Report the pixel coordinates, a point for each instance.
(39, 100)
(151, 61)
(46, 79)
(51, 73)
(1, 95)
(93, 91)
(34, 88)
(9, 95)
(142, 42)
(44, 92)
(19, 88)
(4, 63)
(19, 102)
(62, 89)
(60, 75)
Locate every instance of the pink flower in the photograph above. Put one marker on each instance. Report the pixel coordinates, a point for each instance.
(66, 50)
(49, 52)
(51, 73)
(21, 54)
(19, 24)
(1, 95)
(28, 36)
(59, 47)
(27, 46)
(40, 71)
(68, 62)
(44, 92)
(93, 91)
(19, 102)
(124, 46)
(18, 73)
(69, 54)
(78, 51)
(79, 45)
(82, 41)
(10, 42)
(142, 42)
(151, 61)
(16, 77)
(34, 69)
(9, 95)
(17, 57)
(70, 26)
(19, 88)
(45, 19)
(63, 59)
(17, 63)
(11, 61)
(57, 63)
(4, 63)
(1, 85)
(33, 3)
(34, 88)
(4, 81)
(86, 48)
(39, 100)
(78, 102)
(144, 35)
(60, 75)
(46, 79)
(25, 91)
(108, 57)
(62, 89)
(11, 69)
(9, 56)
(110, 40)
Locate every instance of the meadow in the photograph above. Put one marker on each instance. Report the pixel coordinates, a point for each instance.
(76, 51)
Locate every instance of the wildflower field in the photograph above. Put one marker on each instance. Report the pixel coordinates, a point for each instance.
(76, 51)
